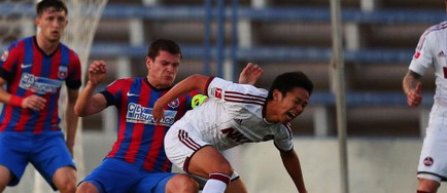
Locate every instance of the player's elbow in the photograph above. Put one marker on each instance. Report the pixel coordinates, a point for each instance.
(79, 111)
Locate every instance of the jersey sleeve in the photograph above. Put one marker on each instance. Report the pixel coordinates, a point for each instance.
(423, 56)
(283, 138)
(113, 92)
(73, 80)
(9, 60)
(223, 90)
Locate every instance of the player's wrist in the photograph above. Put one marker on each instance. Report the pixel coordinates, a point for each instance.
(16, 101)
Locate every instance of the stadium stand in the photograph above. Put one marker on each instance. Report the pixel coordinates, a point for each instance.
(379, 38)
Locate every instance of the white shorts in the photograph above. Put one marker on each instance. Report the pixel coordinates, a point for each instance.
(433, 158)
(180, 146)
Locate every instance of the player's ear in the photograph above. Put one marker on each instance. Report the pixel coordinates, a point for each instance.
(148, 62)
(276, 95)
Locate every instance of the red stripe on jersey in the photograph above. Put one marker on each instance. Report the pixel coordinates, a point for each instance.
(138, 130)
(156, 146)
(166, 165)
(243, 98)
(135, 143)
(36, 68)
(122, 124)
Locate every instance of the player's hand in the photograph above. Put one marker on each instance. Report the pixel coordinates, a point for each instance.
(97, 72)
(157, 113)
(414, 96)
(250, 74)
(34, 102)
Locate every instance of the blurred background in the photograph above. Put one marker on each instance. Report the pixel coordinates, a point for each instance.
(219, 37)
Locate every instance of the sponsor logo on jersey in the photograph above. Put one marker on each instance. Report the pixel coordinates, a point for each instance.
(137, 113)
(5, 55)
(62, 74)
(238, 121)
(39, 85)
(235, 135)
(428, 161)
(174, 104)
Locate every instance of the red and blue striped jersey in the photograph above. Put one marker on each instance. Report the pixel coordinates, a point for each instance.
(30, 71)
(140, 140)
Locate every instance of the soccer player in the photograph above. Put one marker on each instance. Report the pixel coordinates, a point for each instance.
(33, 70)
(431, 52)
(137, 161)
(233, 114)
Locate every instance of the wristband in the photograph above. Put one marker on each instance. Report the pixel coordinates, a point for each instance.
(15, 101)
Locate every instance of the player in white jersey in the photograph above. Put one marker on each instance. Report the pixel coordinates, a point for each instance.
(234, 114)
(431, 51)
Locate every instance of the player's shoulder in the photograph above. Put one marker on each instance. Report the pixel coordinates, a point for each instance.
(15, 44)
(435, 29)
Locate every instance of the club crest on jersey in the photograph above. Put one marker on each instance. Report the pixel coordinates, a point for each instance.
(217, 92)
(417, 55)
(174, 104)
(5, 56)
(62, 74)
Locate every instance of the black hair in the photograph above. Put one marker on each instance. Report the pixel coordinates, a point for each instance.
(165, 45)
(58, 5)
(289, 80)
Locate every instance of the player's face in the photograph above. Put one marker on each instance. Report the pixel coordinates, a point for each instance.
(163, 69)
(52, 23)
(290, 105)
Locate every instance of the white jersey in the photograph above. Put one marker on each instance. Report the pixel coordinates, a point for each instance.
(233, 115)
(431, 51)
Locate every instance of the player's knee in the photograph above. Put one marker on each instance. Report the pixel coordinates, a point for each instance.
(182, 184)
(86, 187)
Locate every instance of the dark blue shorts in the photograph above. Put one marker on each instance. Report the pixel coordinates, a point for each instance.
(47, 152)
(116, 176)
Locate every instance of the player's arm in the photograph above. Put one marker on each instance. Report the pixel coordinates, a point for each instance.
(412, 87)
(88, 101)
(193, 82)
(70, 118)
(292, 164)
(250, 74)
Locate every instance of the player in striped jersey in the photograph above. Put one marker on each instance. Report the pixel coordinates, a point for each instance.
(33, 70)
(431, 51)
(234, 114)
(137, 162)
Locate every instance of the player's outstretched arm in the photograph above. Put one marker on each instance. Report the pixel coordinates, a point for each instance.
(292, 164)
(193, 82)
(412, 87)
(250, 74)
(89, 103)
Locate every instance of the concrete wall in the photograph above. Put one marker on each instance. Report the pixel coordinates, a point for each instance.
(382, 165)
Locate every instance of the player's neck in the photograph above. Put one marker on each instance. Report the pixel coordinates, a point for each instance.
(270, 115)
(45, 45)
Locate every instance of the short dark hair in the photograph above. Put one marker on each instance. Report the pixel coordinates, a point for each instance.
(289, 80)
(165, 45)
(58, 5)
